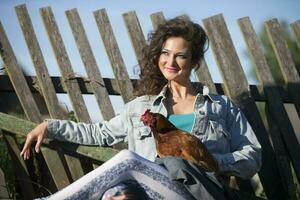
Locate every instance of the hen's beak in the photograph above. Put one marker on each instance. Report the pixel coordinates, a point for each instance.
(146, 118)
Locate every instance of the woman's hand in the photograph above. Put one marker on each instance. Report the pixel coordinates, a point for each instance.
(37, 134)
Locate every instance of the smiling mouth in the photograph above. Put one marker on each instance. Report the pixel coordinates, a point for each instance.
(171, 69)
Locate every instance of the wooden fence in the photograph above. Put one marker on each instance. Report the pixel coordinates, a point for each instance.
(67, 162)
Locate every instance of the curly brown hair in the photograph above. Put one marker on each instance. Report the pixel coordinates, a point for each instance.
(151, 79)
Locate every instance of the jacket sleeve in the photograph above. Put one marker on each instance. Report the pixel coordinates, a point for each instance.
(245, 157)
(105, 133)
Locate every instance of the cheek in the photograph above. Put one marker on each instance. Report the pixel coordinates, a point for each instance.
(185, 65)
(161, 62)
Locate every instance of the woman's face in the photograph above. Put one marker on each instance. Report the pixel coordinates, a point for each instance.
(175, 60)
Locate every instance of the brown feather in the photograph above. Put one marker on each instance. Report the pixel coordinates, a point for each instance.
(171, 141)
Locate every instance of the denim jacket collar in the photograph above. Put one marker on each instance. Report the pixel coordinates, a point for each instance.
(160, 96)
(199, 97)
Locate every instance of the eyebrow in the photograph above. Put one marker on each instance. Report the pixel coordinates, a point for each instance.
(181, 52)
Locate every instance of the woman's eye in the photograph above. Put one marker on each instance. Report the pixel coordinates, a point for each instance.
(164, 53)
(181, 56)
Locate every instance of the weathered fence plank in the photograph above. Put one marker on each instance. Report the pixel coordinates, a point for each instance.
(26, 100)
(114, 55)
(89, 61)
(16, 76)
(18, 80)
(296, 28)
(205, 78)
(274, 103)
(3, 188)
(236, 87)
(62, 180)
(22, 175)
(68, 76)
(43, 76)
(112, 88)
(286, 63)
(22, 127)
(292, 79)
(135, 34)
(156, 19)
(44, 79)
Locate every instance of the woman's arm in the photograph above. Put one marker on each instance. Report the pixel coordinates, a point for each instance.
(245, 159)
(105, 133)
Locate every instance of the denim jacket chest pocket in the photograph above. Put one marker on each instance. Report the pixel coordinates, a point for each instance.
(217, 134)
(140, 131)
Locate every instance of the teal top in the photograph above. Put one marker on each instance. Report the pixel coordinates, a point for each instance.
(182, 121)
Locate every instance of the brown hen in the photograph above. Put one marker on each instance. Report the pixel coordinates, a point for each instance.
(171, 141)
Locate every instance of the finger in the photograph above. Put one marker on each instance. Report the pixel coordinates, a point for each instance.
(38, 144)
(27, 143)
(25, 155)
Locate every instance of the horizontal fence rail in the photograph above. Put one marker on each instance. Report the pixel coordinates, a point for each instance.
(112, 88)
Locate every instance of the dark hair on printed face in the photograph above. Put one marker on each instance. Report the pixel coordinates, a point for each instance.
(151, 79)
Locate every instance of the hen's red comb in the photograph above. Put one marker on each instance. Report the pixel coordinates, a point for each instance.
(144, 116)
(146, 112)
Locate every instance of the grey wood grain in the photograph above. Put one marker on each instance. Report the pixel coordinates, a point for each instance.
(286, 63)
(204, 77)
(276, 109)
(114, 55)
(68, 75)
(156, 19)
(237, 88)
(43, 77)
(136, 35)
(89, 61)
(296, 29)
(45, 83)
(22, 175)
(17, 78)
(112, 88)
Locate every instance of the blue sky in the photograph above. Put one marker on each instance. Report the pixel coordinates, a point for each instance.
(258, 11)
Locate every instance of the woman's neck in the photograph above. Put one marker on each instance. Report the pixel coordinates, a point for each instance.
(180, 91)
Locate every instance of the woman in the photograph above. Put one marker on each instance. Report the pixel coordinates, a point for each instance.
(174, 50)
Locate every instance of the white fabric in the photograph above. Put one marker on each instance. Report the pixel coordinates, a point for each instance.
(126, 165)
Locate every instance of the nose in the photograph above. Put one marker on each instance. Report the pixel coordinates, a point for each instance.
(171, 60)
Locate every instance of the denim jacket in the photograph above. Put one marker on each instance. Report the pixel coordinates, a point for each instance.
(218, 123)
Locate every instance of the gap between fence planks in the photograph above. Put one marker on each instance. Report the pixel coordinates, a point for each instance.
(276, 113)
(237, 88)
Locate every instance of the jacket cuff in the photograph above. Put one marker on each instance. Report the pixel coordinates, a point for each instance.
(52, 127)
